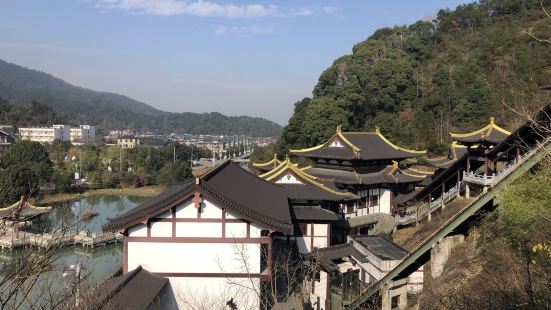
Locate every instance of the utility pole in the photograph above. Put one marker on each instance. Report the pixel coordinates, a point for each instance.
(174, 153)
(191, 157)
(120, 161)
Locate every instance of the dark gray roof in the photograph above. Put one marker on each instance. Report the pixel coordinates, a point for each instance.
(301, 192)
(454, 153)
(371, 145)
(374, 147)
(170, 197)
(493, 137)
(22, 211)
(230, 185)
(255, 197)
(385, 174)
(327, 256)
(313, 213)
(381, 247)
(137, 289)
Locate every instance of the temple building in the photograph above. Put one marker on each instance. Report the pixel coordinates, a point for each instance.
(366, 164)
(342, 271)
(471, 161)
(311, 195)
(20, 214)
(223, 232)
(478, 144)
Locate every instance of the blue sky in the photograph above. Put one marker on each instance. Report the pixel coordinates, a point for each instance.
(237, 57)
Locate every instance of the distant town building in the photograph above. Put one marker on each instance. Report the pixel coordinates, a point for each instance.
(83, 134)
(8, 129)
(128, 142)
(6, 138)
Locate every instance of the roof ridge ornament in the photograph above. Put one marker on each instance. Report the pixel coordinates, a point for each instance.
(492, 119)
(378, 130)
(339, 128)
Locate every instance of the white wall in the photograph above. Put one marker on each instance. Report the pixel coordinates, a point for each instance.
(384, 201)
(320, 289)
(288, 178)
(198, 258)
(304, 242)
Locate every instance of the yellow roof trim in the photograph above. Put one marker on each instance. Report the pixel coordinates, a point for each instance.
(281, 168)
(481, 131)
(310, 148)
(397, 147)
(306, 177)
(394, 168)
(338, 133)
(420, 172)
(272, 161)
(355, 149)
(21, 202)
(413, 175)
(273, 170)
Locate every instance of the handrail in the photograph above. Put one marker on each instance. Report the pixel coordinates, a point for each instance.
(531, 158)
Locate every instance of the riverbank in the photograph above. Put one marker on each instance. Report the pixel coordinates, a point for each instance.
(146, 191)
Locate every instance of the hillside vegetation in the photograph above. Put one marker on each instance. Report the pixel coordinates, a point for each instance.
(422, 81)
(35, 114)
(22, 86)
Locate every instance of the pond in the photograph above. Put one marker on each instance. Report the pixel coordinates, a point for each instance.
(103, 207)
(97, 263)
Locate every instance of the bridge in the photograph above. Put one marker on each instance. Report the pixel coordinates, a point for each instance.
(9, 240)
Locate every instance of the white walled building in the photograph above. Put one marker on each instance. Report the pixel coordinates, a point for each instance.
(213, 237)
(84, 134)
(359, 263)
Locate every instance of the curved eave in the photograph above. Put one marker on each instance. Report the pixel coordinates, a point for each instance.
(486, 130)
(413, 152)
(21, 203)
(356, 150)
(273, 162)
(307, 178)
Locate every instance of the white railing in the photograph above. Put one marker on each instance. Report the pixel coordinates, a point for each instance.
(480, 179)
(492, 179)
(423, 208)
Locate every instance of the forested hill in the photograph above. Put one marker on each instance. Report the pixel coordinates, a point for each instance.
(422, 81)
(20, 85)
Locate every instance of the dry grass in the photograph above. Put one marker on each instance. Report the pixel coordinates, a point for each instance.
(410, 237)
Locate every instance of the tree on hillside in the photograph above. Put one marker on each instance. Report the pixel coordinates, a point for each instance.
(26, 165)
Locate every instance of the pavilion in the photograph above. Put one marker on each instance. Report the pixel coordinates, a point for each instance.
(20, 213)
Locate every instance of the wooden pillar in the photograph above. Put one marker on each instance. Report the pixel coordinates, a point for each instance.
(443, 192)
(386, 303)
(458, 182)
(517, 157)
(485, 165)
(417, 215)
(468, 163)
(430, 201)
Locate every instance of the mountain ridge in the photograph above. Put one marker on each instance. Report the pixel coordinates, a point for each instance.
(21, 85)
